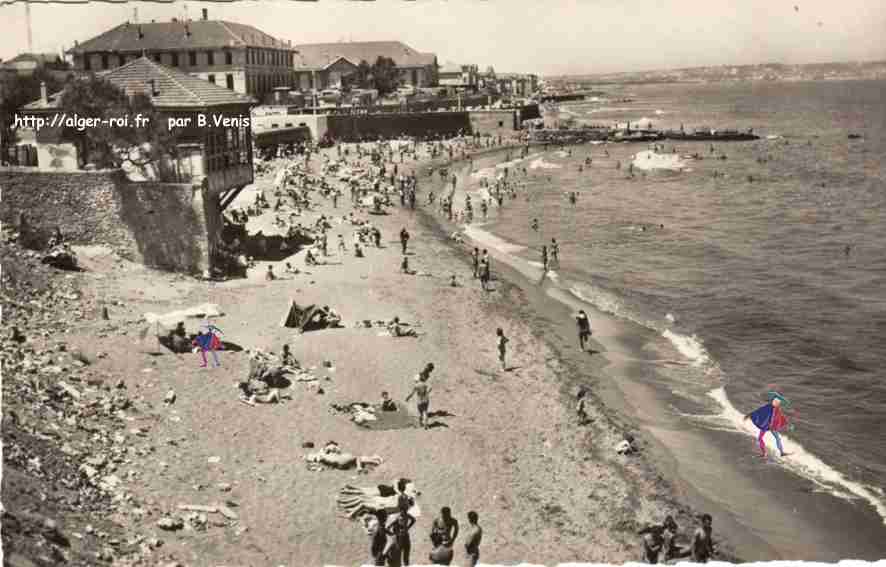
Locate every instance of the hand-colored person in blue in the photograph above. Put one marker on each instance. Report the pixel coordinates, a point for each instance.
(771, 418)
(207, 340)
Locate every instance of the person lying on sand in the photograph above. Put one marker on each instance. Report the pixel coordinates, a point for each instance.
(251, 395)
(291, 270)
(331, 456)
(397, 330)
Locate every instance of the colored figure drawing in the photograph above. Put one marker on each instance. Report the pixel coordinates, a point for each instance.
(771, 418)
(207, 340)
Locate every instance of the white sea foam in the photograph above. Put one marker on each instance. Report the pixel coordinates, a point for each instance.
(603, 301)
(799, 460)
(690, 347)
(540, 163)
(489, 240)
(648, 160)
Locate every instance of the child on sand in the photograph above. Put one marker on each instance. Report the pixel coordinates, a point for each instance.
(502, 342)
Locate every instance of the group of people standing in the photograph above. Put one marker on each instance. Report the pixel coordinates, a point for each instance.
(391, 542)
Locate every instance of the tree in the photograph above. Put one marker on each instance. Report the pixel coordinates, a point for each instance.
(362, 77)
(112, 145)
(385, 75)
(15, 92)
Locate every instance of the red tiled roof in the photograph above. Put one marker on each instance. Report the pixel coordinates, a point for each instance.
(315, 56)
(173, 36)
(175, 90)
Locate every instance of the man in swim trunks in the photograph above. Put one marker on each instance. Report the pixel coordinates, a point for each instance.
(445, 527)
(421, 390)
(702, 543)
(474, 536)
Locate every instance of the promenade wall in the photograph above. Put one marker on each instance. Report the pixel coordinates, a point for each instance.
(164, 225)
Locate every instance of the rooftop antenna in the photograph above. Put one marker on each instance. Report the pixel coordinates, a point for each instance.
(28, 21)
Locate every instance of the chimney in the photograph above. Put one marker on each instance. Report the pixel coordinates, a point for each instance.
(43, 95)
(205, 14)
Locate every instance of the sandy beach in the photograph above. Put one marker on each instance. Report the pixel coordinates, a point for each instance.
(504, 443)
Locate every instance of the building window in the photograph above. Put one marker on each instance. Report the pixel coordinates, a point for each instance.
(104, 60)
(229, 58)
(210, 58)
(211, 79)
(121, 60)
(501, 123)
(192, 58)
(175, 59)
(87, 63)
(157, 58)
(229, 79)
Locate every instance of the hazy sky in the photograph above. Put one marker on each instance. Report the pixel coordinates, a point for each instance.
(542, 36)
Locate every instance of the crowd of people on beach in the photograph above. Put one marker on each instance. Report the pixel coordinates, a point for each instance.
(376, 175)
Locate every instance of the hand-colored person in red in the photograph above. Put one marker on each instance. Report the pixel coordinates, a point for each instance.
(207, 340)
(771, 418)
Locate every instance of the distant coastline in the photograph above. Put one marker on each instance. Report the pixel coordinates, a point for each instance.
(869, 70)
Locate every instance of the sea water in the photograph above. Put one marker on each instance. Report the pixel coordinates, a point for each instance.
(762, 264)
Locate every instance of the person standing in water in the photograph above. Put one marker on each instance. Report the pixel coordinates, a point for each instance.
(555, 253)
(770, 418)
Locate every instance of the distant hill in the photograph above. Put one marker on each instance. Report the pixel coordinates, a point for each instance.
(760, 72)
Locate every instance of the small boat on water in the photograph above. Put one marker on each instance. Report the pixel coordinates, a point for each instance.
(710, 135)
